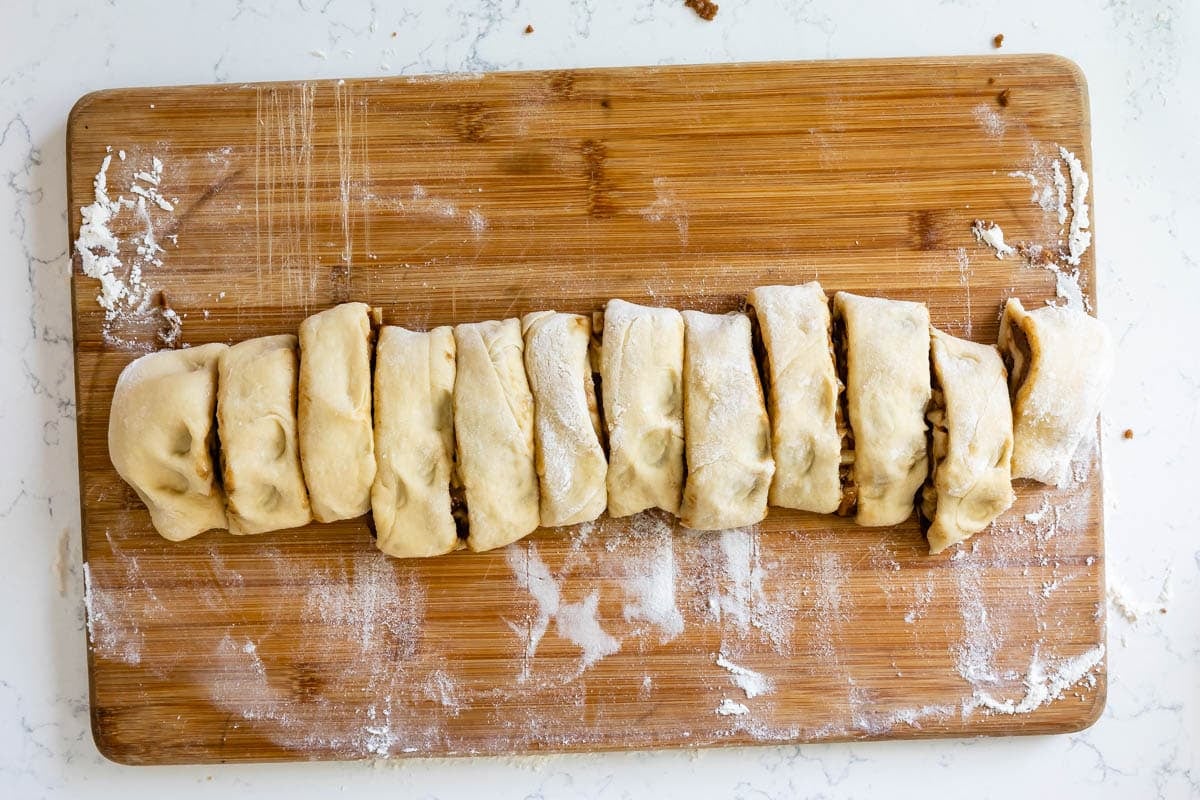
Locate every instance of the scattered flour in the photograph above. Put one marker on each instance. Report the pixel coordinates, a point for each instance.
(830, 615)
(124, 295)
(649, 584)
(1062, 200)
(667, 207)
(443, 690)
(1134, 609)
(989, 233)
(751, 682)
(922, 596)
(1045, 682)
(385, 611)
(979, 644)
(1080, 238)
(112, 635)
(991, 122)
(865, 716)
(575, 622)
(731, 708)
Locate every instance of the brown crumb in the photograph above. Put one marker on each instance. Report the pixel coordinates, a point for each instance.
(393, 34)
(991, 81)
(705, 9)
(1128, 434)
(1003, 97)
(998, 40)
(528, 29)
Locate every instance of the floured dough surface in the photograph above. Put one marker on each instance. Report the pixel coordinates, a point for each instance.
(726, 430)
(1061, 361)
(414, 442)
(160, 438)
(641, 382)
(887, 391)
(571, 465)
(337, 448)
(256, 415)
(971, 480)
(803, 387)
(493, 426)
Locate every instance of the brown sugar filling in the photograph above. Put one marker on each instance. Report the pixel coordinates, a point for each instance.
(849, 502)
(1018, 356)
(939, 448)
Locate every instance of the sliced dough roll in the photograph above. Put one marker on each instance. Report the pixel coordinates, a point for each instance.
(971, 480)
(727, 435)
(256, 417)
(414, 442)
(887, 390)
(337, 448)
(1060, 362)
(161, 438)
(493, 426)
(641, 381)
(570, 460)
(803, 389)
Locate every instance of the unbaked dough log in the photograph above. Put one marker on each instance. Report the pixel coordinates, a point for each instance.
(887, 391)
(337, 449)
(493, 426)
(256, 417)
(1060, 362)
(570, 460)
(970, 483)
(641, 381)
(803, 388)
(727, 435)
(161, 437)
(414, 442)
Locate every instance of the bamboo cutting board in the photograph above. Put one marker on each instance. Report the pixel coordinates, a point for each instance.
(461, 198)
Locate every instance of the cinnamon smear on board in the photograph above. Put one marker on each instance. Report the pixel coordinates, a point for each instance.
(705, 9)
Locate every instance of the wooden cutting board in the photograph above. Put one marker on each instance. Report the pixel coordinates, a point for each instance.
(458, 198)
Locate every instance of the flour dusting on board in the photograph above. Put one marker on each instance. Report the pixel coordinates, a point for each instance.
(989, 233)
(667, 207)
(369, 598)
(731, 708)
(1045, 682)
(129, 302)
(575, 622)
(828, 605)
(108, 631)
(750, 682)
(741, 597)
(1066, 234)
(650, 583)
(989, 119)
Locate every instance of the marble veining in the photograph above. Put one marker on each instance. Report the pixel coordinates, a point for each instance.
(1140, 58)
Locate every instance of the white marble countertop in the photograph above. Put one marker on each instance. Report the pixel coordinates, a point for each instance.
(1139, 58)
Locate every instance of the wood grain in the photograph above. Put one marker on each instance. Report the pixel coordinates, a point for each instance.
(464, 198)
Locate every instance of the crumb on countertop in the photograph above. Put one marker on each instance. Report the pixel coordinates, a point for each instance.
(1128, 434)
(1004, 97)
(998, 40)
(705, 9)
(528, 29)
